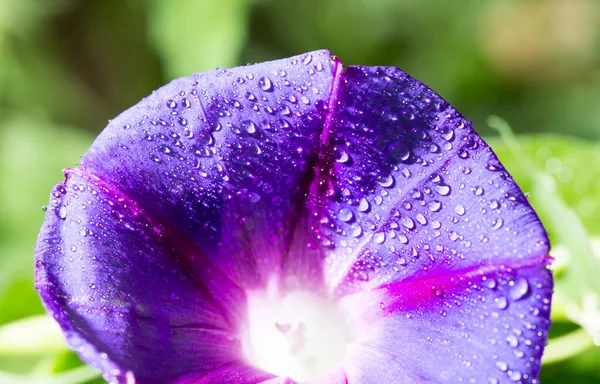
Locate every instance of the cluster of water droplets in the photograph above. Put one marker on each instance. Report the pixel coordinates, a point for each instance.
(491, 324)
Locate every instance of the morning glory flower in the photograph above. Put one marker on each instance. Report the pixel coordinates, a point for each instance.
(296, 221)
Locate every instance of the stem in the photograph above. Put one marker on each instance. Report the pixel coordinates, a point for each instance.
(566, 346)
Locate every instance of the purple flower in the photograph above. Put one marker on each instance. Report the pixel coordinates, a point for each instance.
(296, 218)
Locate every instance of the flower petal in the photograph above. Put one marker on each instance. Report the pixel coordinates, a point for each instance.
(233, 373)
(415, 191)
(484, 329)
(112, 278)
(223, 158)
(181, 203)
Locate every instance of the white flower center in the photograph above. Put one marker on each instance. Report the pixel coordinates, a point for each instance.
(299, 335)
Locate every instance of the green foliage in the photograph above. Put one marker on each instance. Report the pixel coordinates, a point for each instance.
(197, 35)
(67, 66)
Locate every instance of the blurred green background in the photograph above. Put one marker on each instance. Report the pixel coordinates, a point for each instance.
(68, 66)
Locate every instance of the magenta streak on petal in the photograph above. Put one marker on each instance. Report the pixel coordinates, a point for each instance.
(182, 247)
(414, 293)
(234, 373)
(302, 265)
(333, 99)
(363, 246)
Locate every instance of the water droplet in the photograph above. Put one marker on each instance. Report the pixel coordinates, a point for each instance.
(512, 341)
(407, 222)
(171, 104)
(62, 212)
(498, 223)
(363, 205)
(435, 206)
(356, 230)
(439, 292)
(443, 189)
(254, 197)
(265, 84)
(341, 155)
(515, 376)
(478, 191)
(379, 237)
(435, 178)
(501, 302)
(249, 127)
(518, 288)
(447, 134)
(494, 166)
(421, 219)
(345, 214)
(502, 366)
(399, 151)
(460, 210)
(385, 181)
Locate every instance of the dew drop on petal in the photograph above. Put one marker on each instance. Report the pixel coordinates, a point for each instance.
(502, 366)
(356, 230)
(435, 206)
(512, 341)
(460, 210)
(443, 189)
(363, 205)
(407, 222)
(515, 376)
(345, 214)
(385, 181)
(399, 151)
(62, 212)
(498, 223)
(265, 84)
(249, 126)
(501, 302)
(341, 155)
(519, 288)
(379, 237)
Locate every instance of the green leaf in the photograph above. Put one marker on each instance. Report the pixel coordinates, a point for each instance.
(198, 35)
(573, 163)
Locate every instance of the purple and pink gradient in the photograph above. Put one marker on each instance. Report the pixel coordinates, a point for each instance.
(358, 185)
